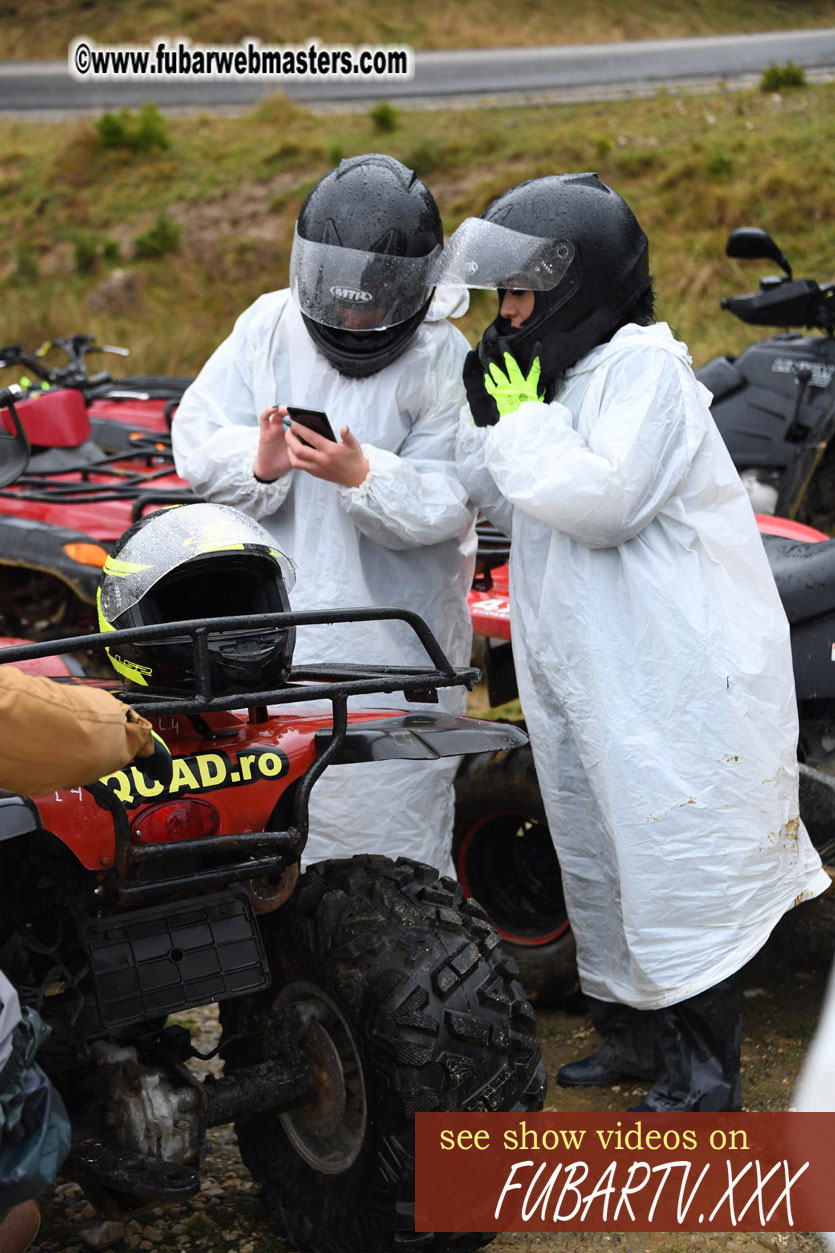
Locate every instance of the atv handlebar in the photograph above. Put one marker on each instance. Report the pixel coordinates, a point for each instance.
(74, 373)
(786, 302)
(13, 355)
(780, 301)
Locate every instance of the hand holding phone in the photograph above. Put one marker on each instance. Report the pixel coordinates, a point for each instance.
(272, 459)
(313, 419)
(340, 461)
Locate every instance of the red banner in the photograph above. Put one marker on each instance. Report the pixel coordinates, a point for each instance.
(625, 1172)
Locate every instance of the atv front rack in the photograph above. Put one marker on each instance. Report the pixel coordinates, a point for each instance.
(143, 872)
(303, 683)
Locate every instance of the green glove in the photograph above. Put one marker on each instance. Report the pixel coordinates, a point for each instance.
(509, 387)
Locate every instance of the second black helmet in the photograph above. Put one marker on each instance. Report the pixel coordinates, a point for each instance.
(572, 240)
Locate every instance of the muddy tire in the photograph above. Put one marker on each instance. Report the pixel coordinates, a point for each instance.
(505, 860)
(409, 1004)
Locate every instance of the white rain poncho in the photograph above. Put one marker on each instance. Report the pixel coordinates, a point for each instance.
(654, 669)
(404, 538)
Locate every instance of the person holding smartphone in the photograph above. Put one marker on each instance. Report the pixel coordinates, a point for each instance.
(651, 647)
(377, 515)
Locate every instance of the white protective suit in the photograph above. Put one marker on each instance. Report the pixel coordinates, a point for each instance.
(654, 670)
(404, 538)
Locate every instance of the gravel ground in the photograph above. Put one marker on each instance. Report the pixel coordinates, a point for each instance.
(784, 986)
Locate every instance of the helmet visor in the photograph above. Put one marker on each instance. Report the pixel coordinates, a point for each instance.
(484, 254)
(174, 537)
(358, 291)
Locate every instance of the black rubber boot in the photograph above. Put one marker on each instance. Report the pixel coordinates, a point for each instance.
(699, 1043)
(627, 1050)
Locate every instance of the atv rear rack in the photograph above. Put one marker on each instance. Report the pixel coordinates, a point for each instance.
(120, 482)
(253, 854)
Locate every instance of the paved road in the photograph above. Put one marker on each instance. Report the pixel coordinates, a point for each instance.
(41, 88)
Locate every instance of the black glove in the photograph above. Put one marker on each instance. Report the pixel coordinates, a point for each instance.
(159, 764)
(482, 406)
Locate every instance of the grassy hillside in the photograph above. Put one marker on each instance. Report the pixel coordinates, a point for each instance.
(36, 29)
(204, 224)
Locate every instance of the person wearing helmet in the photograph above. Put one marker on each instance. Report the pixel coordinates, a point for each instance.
(650, 644)
(377, 516)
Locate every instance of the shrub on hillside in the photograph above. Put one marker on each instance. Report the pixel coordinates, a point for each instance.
(85, 255)
(163, 237)
(137, 132)
(776, 77)
(384, 116)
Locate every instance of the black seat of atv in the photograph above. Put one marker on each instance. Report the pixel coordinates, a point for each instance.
(804, 574)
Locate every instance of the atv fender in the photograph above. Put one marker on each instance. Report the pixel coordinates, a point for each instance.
(31, 545)
(422, 737)
(18, 816)
(720, 376)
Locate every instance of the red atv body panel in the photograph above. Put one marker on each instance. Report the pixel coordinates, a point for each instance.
(144, 414)
(241, 773)
(56, 418)
(51, 667)
(490, 610)
(770, 524)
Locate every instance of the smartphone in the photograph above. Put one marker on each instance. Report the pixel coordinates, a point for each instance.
(314, 420)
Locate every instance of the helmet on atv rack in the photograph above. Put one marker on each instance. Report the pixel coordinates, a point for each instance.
(367, 239)
(192, 562)
(576, 244)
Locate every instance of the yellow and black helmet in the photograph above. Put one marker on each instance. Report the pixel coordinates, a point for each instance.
(198, 561)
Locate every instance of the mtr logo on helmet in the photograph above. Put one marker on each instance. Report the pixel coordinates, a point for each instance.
(354, 294)
(203, 772)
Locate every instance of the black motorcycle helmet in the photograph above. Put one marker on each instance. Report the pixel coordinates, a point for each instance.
(367, 239)
(198, 561)
(593, 269)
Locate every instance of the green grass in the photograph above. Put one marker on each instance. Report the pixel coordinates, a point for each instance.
(229, 189)
(36, 29)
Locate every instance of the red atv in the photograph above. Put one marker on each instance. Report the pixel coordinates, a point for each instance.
(350, 997)
(502, 848)
(142, 401)
(101, 457)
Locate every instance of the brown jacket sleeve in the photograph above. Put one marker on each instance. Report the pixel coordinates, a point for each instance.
(55, 736)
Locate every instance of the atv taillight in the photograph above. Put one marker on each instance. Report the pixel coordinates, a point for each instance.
(175, 820)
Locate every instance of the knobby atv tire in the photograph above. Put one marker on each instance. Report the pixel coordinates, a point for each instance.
(427, 1014)
(505, 859)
